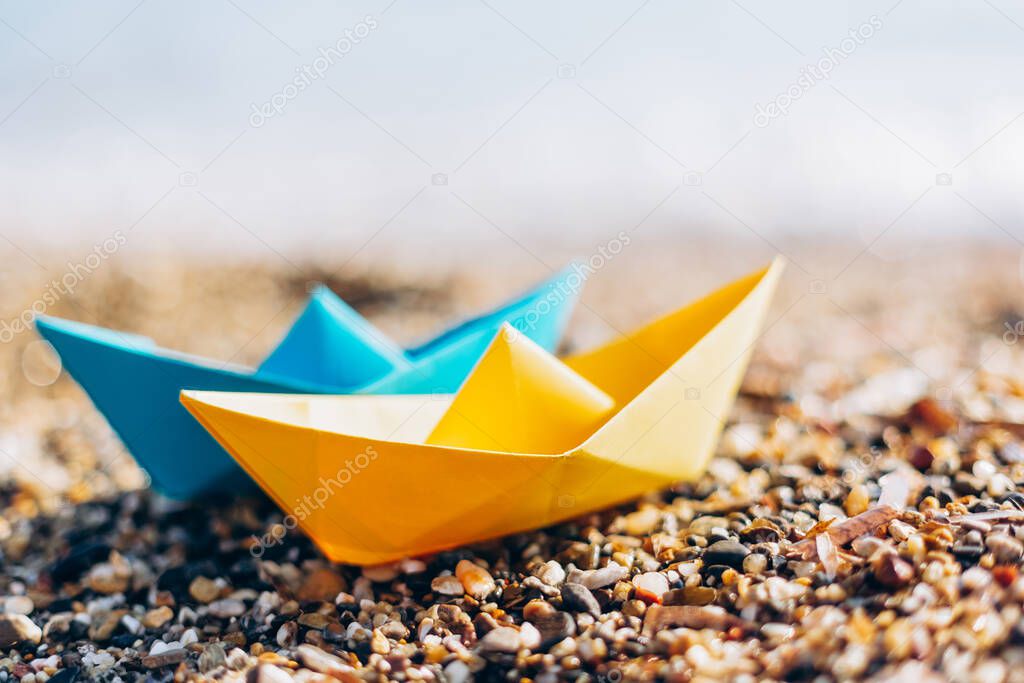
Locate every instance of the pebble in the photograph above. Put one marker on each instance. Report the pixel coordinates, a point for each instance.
(203, 590)
(267, 673)
(287, 634)
(728, 553)
(313, 620)
(578, 598)
(104, 625)
(379, 643)
(457, 672)
(315, 659)
(16, 629)
(321, 584)
(650, 586)
(554, 627)
(502, 639)
(109, 578)
(476, 580)
(165, 658)
(642, 522)
(976, 578)
(1005, 548)
(857, 500)
(155, 618)
(227, 608)
(382, 573)
(551, 573)
(690, 595)
(529, 636)
(447, 585)
(891, 570)
(598, 578)
(18, 604)
(212, 657)
(755, 563)
(536, 609)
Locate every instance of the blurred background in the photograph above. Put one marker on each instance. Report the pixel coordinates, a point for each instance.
(247, 125)
(186, 169)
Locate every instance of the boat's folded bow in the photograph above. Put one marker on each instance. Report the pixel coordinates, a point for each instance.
(527, 441)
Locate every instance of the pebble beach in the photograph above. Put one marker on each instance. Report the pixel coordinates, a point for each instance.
(862, 518)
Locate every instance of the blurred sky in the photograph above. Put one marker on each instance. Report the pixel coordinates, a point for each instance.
(513, 123)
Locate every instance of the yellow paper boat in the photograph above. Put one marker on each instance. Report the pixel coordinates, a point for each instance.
(527, 441)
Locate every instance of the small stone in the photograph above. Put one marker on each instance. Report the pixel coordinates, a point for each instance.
(577, 598)
(641, 522)
(447, 585)
(650, 586)
(976, 578)
(457, 672)
(131, 624)
(634, 608)
(155, 618)
(104, 625)
(529, 636)
(227, 608)
(599, 578)
(1005, 548)
(536, 609)
(501, 639)
(921, 458)
(554, 627)
(313, 620)
(322, 662)
(395, 630)
(929, 412)
(203, 590)
(267, 673)
(690, 616)
(321, 584)
(755, 563)
(891, 570)
(476, 580)
(379, 643)
(551, 573)
(728, 553)
(900, 531)
(484, 623)
(165, 658)
(160, 646)
(1005, 574)
(287, 634)
(109, 577)
(382, 573)
(212, 656)
(591, 650)
(690, 595)
(857, 500)
(16, 629)
(18, 604)
(983, 469)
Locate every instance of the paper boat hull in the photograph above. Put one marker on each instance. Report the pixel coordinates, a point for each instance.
(354, 472)
(137, 393)
(136, 385)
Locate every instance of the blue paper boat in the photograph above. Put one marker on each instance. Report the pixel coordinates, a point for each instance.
(330, 349)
